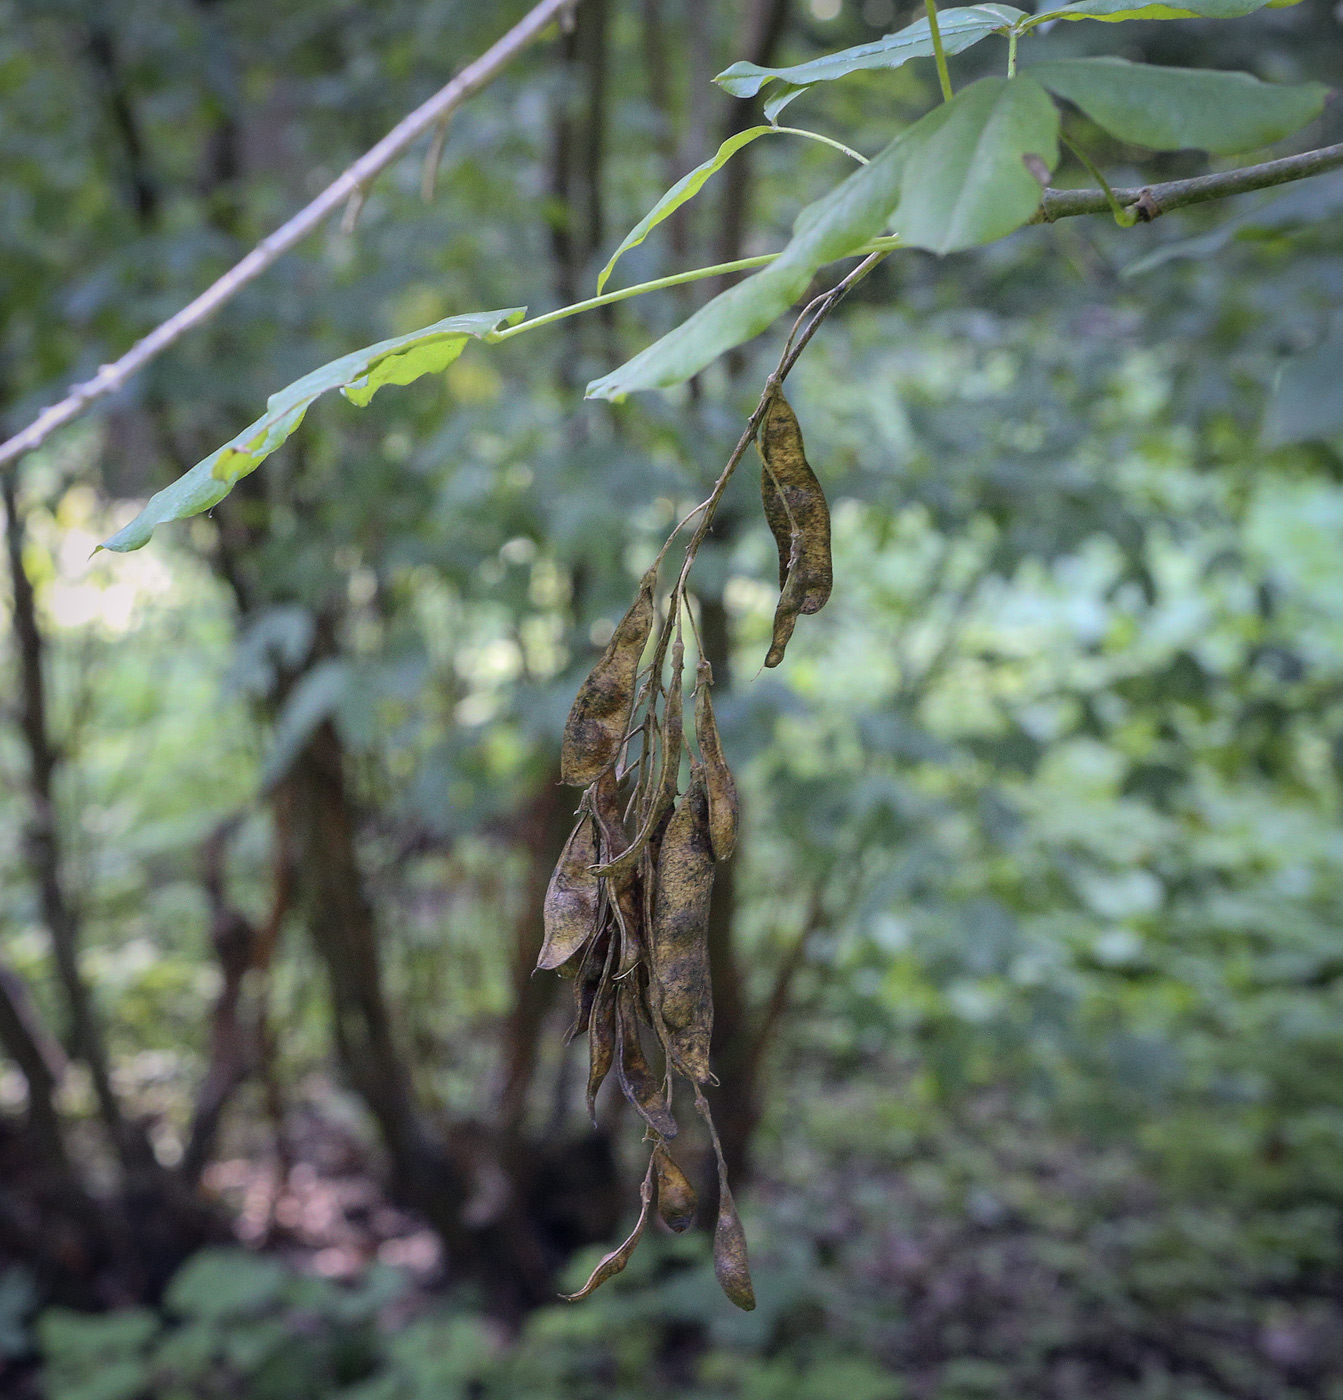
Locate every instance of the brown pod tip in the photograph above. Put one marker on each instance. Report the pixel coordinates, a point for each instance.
(676, 1196)
(730, 1264)
(612, 1264)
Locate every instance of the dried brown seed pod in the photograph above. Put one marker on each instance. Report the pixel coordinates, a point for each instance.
(595, 729)
(681, 990)
(730, 1263)
(787, 609)
(665, 792)
(676, 1196)
(719, 785)
(795, 505)
(591, 971)
(640, 1085)
(614, 1262)
(570, 911)
(602, 1035)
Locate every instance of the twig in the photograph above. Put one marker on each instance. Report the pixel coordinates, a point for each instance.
(1151, 201)
(344, 190)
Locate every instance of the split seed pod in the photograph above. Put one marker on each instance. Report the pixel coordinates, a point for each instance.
(794, 505)
(614, 1262)
(681, 988)
(730, 1264)
(719, 786)
(601, 1038)
(591, 974)
(637, 1080)
(665, 792)
(596, 726)
(676, 1196)
(570, 910)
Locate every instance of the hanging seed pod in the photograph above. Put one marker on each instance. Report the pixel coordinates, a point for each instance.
(665, 792)
(730, 1264)
(622, 889)
(787, 609)
(602, 1035)
(614, 1262)
(676, 1196)
(637, 1080)
(794, 505)
(595, 729)
(719, 786)
(570, 911)
(591, 971)
(681, 989)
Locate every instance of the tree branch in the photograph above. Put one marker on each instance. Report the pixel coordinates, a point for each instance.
(1151, 201)
(354, 181)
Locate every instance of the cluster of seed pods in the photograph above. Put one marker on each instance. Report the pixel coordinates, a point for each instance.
(627, 909)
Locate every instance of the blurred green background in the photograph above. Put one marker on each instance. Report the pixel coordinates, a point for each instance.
(1028, 967)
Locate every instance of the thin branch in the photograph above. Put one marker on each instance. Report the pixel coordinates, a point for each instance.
(1151, 201)
(356, 179)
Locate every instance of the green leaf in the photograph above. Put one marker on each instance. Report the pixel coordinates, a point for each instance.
(956, 178)
(966, 180)
(1171, 109)
(222, 1283)
(959, 29)
(358, 375)
(685, 189)
(1112, 11)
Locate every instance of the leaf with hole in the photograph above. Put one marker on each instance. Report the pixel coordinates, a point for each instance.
(358, 375)
(1172, 109)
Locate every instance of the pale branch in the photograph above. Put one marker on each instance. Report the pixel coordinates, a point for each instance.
(1151, 201)
(352, 185)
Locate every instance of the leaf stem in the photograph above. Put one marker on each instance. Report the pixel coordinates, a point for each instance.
(676, 279)
(939, 53)
(825, 140)
(1125, 218)
(1012, 53)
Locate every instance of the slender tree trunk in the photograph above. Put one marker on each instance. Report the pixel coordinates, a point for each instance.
(43, 844)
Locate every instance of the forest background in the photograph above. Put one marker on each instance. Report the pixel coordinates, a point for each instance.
(1028, 965)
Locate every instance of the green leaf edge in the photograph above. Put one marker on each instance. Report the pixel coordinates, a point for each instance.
(684, 190)
(744, 79)
(1051, 73)
(358, 375)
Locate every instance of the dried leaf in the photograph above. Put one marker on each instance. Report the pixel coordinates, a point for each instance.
(641, 1086)
(676, 1196)
(595, 729)
(614, 1262)
(719, 785)
(570, 911)
(681, 988)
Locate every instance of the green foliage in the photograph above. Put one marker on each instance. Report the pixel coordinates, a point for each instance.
(1169, 109)
(684, 190)
(959, 28)
(237, 1325)
(358, 375)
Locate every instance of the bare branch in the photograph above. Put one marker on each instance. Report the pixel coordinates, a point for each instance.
(352, 183)
(1151, 201)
